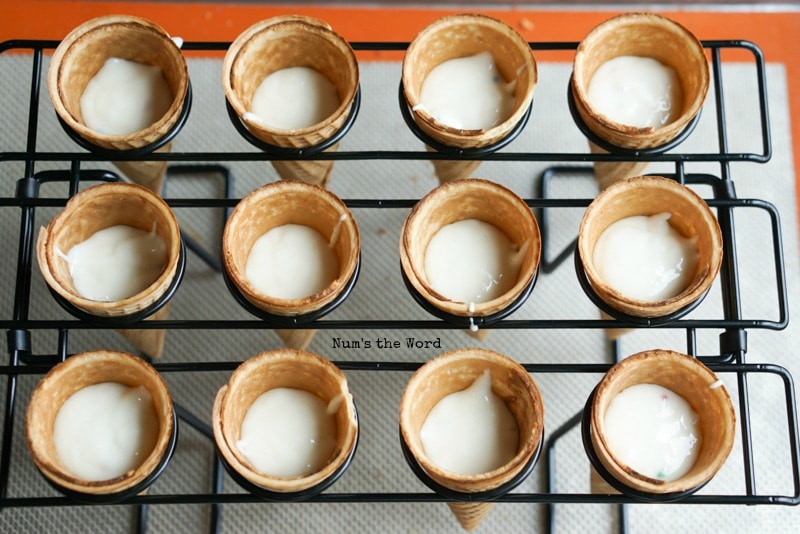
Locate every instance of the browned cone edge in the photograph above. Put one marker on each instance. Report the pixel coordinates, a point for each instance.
(645, 35)
(469, 199)
(84, 51)
(458, 36)
(650, 195)
(286, 368)
(289, 202)
(686, 377)
(74, 374)
(454, 371)
(94, 209)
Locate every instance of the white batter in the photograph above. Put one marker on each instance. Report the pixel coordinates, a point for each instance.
(645, 258)
(291, 262)
(294, 98)
(654, 431)
(471, 431)
(468, 93)
(636, 91)
(105, 430)
(116, 262)
(125, 97)
(288, 432)
(471, 261)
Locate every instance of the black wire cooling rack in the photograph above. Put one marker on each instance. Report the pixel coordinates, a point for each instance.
(729, 360)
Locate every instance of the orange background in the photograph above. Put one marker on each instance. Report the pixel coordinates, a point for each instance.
(775, 33)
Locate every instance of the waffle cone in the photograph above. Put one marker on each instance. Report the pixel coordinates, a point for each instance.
(650, 195)
(469, 199)
(95, 209)
(645, 35)
(279, 43)
(290, 202)
(458, 36)
(688, 378)
(455, 371)
(285, 368)
(76, 373)
(84, 51)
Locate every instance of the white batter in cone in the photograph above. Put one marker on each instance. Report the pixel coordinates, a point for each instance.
(85, 50)
(458, 36)
(455, 371)
(279, 43)
(469, 199)
(645, 35)
(686, 377)
(74, 374)
(284, 368)
(95, 209)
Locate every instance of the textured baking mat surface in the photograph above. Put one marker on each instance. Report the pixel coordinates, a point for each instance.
(379, 294)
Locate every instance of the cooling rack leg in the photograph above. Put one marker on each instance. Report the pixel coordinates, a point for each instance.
(547, 265)
(217, 471)
(208, 258)
(141, 518)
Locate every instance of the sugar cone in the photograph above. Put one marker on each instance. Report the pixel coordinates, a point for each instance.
(74, 374)
(296, 338)
(149, 341)
(458, 36)
(479, 334)
(651, 195)
(599, 486)
(699, 386)
(285, 368)
(470, 514)
(645, 35)
(283, 42)
(149, 174)
(92, 210)
(316, 172)
(84, 51)
(455, 371)
(610, 172)
(453, 169)
(613, 334)
(469, 199)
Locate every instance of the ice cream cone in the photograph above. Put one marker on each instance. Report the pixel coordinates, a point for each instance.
(295, 338)
(95, 209)
(284, 368)
(455, 371)
(644, 35)
(279, 43)
(688, 378)
(453, 169)
(458, 36)
(74, 374)
(84, 51)
(469, 199)
(290, 202)
(651, 195)
(150, 174)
